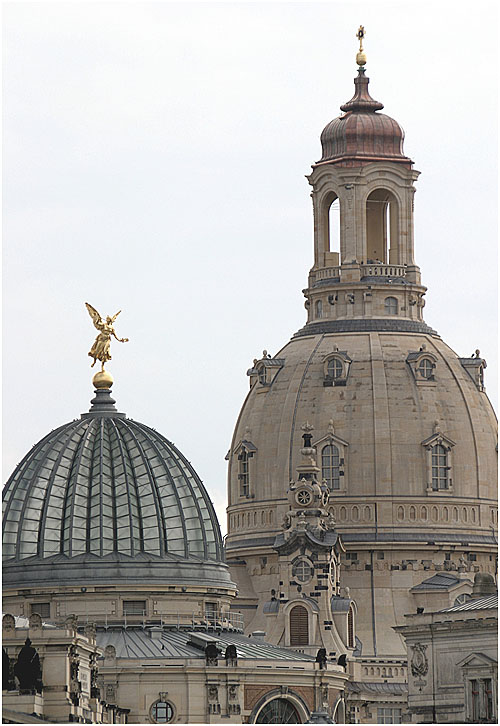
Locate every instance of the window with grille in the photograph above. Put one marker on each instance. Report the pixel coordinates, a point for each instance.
(299, 626)
(278, 710)
(243, 475)
(439, 467)
(162, 712)
(41, 608)
(388, 715)
(335, 368)
(134, 607)
(391, 306)
(302, 571)
(330, 466)
(425, 368)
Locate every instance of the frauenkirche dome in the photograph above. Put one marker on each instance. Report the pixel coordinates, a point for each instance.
(402, 431)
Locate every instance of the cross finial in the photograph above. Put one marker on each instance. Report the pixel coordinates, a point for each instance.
(361, 57)
(360, 35)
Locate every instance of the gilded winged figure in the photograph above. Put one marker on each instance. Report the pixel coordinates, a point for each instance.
(100, 349)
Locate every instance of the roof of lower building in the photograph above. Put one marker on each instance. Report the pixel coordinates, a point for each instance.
(440, 581)
(490, 602)
(138, 643)
(395, 689)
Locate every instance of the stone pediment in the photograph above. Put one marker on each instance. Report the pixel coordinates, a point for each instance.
(475, 660)
(438, 438)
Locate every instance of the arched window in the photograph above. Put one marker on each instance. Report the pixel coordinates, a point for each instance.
(391, 306)
(299, 625)
(279, 710)
(382, 228)
(335, 368)
(425, 368)
(319, 309)
(243, 474)
(330, 466)
(329, 226)
(350, 628)
(439, 467)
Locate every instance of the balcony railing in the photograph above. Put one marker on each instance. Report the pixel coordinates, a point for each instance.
(372, 270)
(381, 270)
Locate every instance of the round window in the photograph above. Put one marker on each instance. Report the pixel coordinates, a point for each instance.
(162, 712)
(303, 497)
(302, 571)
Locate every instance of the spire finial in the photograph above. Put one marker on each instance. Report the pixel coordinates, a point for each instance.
(361, 56)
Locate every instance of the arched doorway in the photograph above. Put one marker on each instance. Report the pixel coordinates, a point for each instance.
(279, 710)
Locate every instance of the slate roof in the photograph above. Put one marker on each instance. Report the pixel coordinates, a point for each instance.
(440, 581)
(489, 602)
(137, 643)
(395, 689)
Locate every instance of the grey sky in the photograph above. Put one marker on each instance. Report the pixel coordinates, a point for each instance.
(154, 161)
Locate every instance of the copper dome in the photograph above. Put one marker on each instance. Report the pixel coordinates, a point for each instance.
(361, 134)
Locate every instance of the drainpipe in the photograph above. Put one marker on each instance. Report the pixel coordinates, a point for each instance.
(373, 604)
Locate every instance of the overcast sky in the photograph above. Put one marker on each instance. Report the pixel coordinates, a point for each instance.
(154, 157)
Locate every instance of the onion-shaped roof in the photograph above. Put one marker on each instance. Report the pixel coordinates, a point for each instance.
(105, 487)
(362, 134)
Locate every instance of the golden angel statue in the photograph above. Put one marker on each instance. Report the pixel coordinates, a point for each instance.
(100, 349)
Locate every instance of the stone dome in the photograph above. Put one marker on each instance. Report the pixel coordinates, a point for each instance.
(362, 134)
(383, 420)
(107, 498)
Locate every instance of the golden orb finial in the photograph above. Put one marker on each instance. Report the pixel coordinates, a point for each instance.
(102, 379)
(361, 55)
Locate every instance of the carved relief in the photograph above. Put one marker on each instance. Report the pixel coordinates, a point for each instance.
(419, 662)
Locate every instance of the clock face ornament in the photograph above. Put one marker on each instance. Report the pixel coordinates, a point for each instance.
(303, 497)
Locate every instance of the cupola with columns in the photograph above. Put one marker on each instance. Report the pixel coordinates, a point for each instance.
(363, 188)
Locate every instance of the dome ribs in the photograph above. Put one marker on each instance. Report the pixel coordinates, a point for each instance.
(202, 493)
(151, 544)
(136, 534)
(42, 534)
(69, 500)
(187, 475)
(161, 504)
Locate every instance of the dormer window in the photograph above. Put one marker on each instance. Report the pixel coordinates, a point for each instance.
(264, 371)
(391, 306)
(423, 366)
(336, 368)
(426, 368)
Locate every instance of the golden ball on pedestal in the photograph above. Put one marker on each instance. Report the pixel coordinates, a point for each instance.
(102, 379)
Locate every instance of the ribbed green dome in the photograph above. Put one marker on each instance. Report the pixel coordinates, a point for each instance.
(105, 485)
